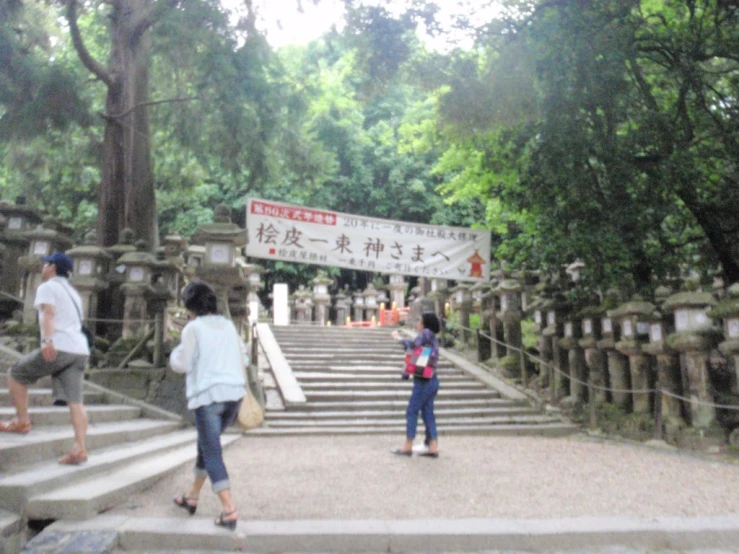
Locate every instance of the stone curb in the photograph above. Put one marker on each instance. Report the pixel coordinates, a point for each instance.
(437, 535)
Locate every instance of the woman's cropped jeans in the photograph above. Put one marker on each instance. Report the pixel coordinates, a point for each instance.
(211, 421)
(422, 400)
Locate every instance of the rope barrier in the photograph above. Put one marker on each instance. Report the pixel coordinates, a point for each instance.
(101, 320)
(591, 385)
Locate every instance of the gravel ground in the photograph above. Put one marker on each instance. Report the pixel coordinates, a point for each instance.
(474, 477)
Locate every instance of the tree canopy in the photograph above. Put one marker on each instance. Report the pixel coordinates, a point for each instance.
(604, 132)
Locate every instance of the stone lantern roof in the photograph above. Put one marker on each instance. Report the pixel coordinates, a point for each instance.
(19, 209)
(509, 285)
(52, 231)
(139, 256)
(125, 244)
(689, 299)
(222, 229)
(634, 307)
(89, 248)
(321, 278)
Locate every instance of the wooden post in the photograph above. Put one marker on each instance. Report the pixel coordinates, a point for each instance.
(593, 423)
(524, 377)
(158, 339)
(658, 399)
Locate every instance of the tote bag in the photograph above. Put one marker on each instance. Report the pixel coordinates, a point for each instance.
(250, 412)
(417, 362)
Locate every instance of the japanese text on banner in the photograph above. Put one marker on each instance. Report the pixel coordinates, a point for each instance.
(285, 232)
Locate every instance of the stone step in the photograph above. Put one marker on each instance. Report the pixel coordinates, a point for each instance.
(551, 429)
(395, 385)
(399, 411)
(442, 421)
(50, 442)
(305, 377)
(554, 535)
(295, 357)
(86, 499)
(16, 489)
(394, 367)
(96, 413)
(13, 534)
(333, 331)
(42, 397)
(400, 394)
(400, 404)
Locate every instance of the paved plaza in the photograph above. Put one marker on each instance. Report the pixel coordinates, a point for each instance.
(356, 477)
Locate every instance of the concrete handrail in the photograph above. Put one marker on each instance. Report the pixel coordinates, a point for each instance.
(291, 391)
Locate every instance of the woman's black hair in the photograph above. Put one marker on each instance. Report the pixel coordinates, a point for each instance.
(200, 298)
(431, 322)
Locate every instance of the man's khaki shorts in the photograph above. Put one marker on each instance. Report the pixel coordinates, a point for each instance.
(67, 372)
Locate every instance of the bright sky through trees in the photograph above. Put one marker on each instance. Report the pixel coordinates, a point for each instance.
(284, 24)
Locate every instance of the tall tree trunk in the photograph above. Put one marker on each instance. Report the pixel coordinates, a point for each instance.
(126, 197)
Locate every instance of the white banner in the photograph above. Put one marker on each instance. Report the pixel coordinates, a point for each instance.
(304, 235)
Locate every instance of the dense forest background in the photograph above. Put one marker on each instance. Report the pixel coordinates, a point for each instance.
(605, 132)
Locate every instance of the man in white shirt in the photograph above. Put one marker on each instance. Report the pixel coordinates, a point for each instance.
(63, 354)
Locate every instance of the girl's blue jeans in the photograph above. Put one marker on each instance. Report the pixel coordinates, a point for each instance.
(211, 421)
(422, 400)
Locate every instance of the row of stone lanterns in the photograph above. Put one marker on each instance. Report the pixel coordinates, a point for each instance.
(363, 305)
(636, 348)
(134, 283)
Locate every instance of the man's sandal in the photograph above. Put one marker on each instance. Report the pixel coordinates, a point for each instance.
(14, 426)
(221, 520)
(186, 503)
(73, 459)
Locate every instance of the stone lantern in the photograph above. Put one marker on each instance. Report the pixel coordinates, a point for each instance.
(358, 306)
(557, 312)
(136, 288)
(43, 241)
(174, 249)
(728, 311)
(479, 290)
(668, 378)
(342, 306)
(437, 295)
(694, 337)
(370, 303)
(301, 304)
(321, 297)
(19, 219)
(218, 266)
(111, 301)
(462, 296)
(89, 277)
(634, 318)
(617, 364)
(509, 292)
(578, 369)
(539, 306)
(595, 359)
(254, 280)
(397, 287)
(167, 274)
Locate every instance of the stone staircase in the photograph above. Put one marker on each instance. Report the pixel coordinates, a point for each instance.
(131, 445)
(351, 381)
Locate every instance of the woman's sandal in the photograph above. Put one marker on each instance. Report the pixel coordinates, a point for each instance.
(221, 520)
(186, 503)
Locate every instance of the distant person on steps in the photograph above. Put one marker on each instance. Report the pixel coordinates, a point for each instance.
(424, 390)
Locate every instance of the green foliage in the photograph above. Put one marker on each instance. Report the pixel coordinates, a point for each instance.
(613, 142)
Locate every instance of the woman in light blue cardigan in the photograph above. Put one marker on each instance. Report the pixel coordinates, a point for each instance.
(212, 355)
